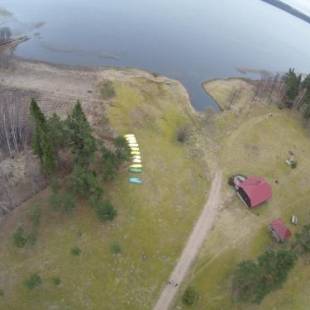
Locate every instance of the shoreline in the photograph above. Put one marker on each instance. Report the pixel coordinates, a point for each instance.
(204, 83)
(132, 71)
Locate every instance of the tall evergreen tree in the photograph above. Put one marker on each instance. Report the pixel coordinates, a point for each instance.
(41, 142)
(292, 82)
(39, 123)
(82, 142)
(57, 131)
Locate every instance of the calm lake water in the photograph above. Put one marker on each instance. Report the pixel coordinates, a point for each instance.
(191, 41)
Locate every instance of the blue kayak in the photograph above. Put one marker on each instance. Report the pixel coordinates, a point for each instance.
(135, 180)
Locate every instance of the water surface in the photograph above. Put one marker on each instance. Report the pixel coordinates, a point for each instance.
(188, 40)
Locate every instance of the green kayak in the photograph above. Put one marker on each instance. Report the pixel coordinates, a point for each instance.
(135, 170)
(134, 180)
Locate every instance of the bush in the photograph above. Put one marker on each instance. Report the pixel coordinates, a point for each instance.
(84, 182)
(303, 240)
(115, 248)
(76, 251)
(105, 211)
(182, 134)
(68, 202)
(190, 296)
(107, 90)
(55, 200)
(33, 281)
(56, 281)
(122, 149)
(65, 201)
(253, 280)
(20, 238)
(293, 164)
(231, 181)
(35, 216)
(1, 293)
(109, 164)
(32, 237)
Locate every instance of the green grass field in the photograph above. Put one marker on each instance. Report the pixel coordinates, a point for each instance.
(254, 142)
(153, 223)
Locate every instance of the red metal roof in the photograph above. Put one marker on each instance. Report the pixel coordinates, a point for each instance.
(280, 229)
(257, 189)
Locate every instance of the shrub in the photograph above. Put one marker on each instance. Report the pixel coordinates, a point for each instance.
(115, 248)
(107, 90)
(253, 280)
(55, 186)
(109, 163)
(246, 279)
(182, 134)
(84, 182)
(56, 281)
(20, 238)
(32, 237)
(303, 240)
(76, 251)
(33, 281)
(1, 293)
(190, 296)
(65, 201)
(35, 216)
(105, 211)
(122, 149)
(55, 200)
(231, 181)
(293, 164)
(68, 202)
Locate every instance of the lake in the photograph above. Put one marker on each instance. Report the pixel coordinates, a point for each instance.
(191, 41)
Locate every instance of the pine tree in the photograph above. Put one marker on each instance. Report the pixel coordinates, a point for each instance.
(82, 142)
(292, 82)
(41, 143)
(57, 130)
(39, 123)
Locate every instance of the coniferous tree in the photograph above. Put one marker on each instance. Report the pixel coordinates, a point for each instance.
(292, 82)
(39, 123)
(57, 130)
(41, 142)
(82, 142)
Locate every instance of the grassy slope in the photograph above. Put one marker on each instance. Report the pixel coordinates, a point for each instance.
(255, 143)
(153, 223)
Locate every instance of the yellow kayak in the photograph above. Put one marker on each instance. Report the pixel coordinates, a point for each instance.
(136, 166)
(133, 145)
(135, 149)
(137, 161)
(129, 135)
(136, 157)
(135, 153)
(131, 139)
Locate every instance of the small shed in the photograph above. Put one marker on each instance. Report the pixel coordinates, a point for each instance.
(279, 231)
(254, 191)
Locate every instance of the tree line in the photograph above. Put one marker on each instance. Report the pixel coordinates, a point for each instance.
(297, 92)
(91, 161)
(254, 279)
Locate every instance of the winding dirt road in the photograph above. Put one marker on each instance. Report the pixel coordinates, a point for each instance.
(194, 243)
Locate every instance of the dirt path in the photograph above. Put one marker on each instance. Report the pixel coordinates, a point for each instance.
(194, 243)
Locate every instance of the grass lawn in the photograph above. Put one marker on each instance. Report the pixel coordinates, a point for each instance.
(153, 223)
(254, 142)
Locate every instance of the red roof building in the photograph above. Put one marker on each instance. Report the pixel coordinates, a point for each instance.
(254, 191)
(279, 230)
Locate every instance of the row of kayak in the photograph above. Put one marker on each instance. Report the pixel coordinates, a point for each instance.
(136, 166)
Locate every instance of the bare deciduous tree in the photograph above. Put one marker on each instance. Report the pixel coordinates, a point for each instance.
(14, 123)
